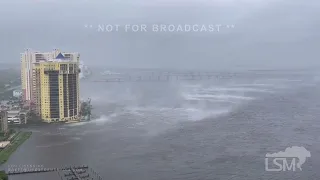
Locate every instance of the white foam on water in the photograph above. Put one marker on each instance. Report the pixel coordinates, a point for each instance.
(76, 138)
(221, 99)
(194, 114)
(254, 85)
(225, 97)
(134, 111)
(76, 124)
(103, 119)
(206, 101)
(178, 114)
(236, 89)
(198, 110)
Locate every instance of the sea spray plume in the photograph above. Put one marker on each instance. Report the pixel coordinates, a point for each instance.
(295, 151)
(84, 70)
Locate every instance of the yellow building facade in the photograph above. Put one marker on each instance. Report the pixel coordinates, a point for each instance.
(56, 90)
(30, 57)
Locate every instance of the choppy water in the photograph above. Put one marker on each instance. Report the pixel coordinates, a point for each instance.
(219, 129)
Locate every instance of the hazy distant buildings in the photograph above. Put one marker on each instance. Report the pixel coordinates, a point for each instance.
(50, 84)
(4, 121)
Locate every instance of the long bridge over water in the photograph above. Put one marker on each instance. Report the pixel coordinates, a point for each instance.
(162, 76)
(65, 173)
(167, 76)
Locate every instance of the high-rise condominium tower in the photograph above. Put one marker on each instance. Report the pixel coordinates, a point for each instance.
(50, 83)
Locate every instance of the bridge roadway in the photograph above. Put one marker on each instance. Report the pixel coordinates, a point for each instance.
(163, 77)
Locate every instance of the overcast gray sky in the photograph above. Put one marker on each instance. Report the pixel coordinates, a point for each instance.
(267, 33)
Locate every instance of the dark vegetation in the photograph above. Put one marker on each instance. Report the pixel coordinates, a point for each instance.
(9, 78)
(18, 139)
(3, 175)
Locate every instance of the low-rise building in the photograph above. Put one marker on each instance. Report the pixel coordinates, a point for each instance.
(14, 116)
(4, 121)
(17, 116)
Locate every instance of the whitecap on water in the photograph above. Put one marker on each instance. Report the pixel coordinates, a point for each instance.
(226, 97)
(103, 119)
(236, 89)
(76, 138)
(199, 114)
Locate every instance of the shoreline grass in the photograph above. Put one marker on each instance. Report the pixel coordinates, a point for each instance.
(18, 139)
(3, 175)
